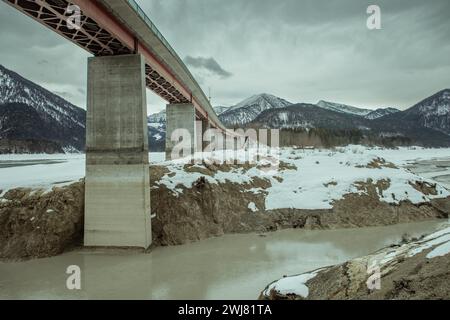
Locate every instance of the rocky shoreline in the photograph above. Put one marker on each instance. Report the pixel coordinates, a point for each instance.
(38, 223)
(416, 269)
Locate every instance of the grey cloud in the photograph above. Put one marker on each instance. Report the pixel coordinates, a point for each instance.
(283, 46)
(209, 64)
(301, 50)
(42, 55)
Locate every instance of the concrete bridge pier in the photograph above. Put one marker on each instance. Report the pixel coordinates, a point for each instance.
(180, 130)
(117, 201)
(202, 140)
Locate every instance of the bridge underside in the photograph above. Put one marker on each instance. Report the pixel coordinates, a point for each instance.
(94, 38)
(117, 195)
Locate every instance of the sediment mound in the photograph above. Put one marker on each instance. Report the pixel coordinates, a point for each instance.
(36, 223)
(314, 190)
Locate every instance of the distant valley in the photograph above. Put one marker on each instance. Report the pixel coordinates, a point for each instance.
(34, 120)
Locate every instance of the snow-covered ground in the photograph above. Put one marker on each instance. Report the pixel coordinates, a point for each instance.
(292, 285)
(40, 171)
(46, 170)
(325, 176)
(313, 180)
(316, 178)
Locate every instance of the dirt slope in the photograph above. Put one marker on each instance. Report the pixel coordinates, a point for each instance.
(35, 224)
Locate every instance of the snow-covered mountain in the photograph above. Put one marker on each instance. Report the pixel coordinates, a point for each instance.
(242, 113)
(343, 108)
(157, 131)
(433, 112)
(16, 89)
(307, 116)
(247, 110)
(342, 127)
(362, 112)
(159, 117)
(50, 118)
(32, 119)
(220, 109)
(379, 113)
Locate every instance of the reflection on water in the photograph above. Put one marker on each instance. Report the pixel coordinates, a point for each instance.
(229, 267)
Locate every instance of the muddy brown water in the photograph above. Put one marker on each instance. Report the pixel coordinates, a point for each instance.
(229, 267)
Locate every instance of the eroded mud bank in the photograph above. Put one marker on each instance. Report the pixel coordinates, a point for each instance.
(37, 223)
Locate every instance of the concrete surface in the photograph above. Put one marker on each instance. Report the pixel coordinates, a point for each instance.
(117, 196)
(180, 116)
(122, 11)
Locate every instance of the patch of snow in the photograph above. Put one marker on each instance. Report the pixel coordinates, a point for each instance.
(256, 190)
(439, 240)
(429, 244)
(156, 125)
(437, 234)
(292, 285)
(70, 149)
(157, 157)
(252, 206)
(440, 251)
(283, 116)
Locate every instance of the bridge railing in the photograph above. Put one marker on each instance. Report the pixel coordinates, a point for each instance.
(151, 25)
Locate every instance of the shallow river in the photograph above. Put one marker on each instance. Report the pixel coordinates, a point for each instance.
(229, 267)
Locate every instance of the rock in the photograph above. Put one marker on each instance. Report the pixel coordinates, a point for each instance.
(405, 271)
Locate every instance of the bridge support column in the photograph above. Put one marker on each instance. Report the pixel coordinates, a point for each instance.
(202, 126)
(206, 125)
(180, 116)
(117, 201)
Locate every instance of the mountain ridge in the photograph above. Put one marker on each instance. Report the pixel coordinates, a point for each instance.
(248, 109)
(33, 118)
(432, 112)
(363, 112)
(52, 118)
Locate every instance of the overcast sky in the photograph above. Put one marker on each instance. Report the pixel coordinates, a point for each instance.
(300, 50)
